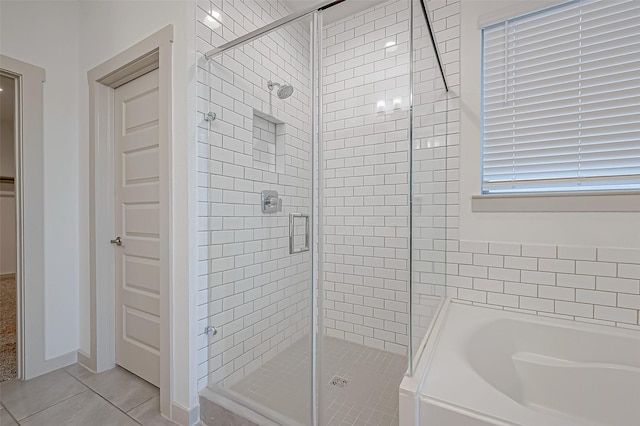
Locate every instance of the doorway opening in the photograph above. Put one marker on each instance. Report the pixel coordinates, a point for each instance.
(8, 230)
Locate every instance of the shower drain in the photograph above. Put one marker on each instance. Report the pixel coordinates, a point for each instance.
(338, 381)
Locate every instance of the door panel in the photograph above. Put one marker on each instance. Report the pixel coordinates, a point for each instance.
(142, 273)
(138, 223)
(142, 219)
(142, 109)
(142, 329)
(141, 165)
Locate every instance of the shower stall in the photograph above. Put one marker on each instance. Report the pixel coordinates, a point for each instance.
(323, 204)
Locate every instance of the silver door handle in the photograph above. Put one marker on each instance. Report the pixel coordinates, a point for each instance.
(292, 232)
(117, 241)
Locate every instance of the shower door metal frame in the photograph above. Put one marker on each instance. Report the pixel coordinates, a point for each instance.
(271, 27)
(318, 326)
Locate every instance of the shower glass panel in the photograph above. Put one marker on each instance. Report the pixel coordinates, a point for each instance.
(432, 140)
(364, 259)
(260, 272)
(322, 200)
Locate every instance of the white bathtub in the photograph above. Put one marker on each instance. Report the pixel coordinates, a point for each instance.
(490, 367)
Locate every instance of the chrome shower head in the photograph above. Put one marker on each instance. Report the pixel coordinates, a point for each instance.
(284, 90)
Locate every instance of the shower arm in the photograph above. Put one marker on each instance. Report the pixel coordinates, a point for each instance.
(425, 13)
(271, 84)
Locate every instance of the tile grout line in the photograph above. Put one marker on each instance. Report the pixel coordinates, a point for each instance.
(46, 408)
(143, 402)
(51, 406)
(9, 412)
(105, 399)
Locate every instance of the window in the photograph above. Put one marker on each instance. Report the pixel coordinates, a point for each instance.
(561, 99)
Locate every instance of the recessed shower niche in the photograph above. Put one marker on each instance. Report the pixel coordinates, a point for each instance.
(268, 142)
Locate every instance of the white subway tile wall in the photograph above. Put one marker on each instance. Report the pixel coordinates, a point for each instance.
(251, 288)
(264, 144)
(366, 177)
(551, 280)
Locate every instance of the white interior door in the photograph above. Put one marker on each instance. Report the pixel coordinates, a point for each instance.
(137, 216)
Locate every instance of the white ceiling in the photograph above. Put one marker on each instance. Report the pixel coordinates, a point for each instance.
(334, 13)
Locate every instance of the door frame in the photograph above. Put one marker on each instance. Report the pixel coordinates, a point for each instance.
(29, 193)
(154, 52)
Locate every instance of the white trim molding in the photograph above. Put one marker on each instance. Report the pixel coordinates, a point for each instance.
(613, 202)
(185, 416)
(501, 11)
(29, 192)
(154, 52)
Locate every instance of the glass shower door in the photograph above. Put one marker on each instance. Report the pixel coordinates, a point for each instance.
(259, 201)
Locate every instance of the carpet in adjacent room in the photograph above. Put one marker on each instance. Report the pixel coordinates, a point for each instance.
(8, 362)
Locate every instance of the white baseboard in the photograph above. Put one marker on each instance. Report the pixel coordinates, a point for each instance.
(185, 416)
(85, 361)
(52, 364)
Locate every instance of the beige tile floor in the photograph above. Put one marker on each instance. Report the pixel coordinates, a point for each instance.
(370, 397)
(75, 396)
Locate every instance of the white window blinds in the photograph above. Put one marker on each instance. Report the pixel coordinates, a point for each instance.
(561, 99)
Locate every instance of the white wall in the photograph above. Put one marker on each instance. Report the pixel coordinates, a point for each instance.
(45, 34)
(107, 28)
(7, 168)
(7, 127)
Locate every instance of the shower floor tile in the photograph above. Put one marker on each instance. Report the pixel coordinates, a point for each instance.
(370, 396)
(283, 384)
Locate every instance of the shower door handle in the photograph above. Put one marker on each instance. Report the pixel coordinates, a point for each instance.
(292, 233)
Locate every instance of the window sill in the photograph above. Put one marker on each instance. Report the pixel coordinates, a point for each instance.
(620, 201)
